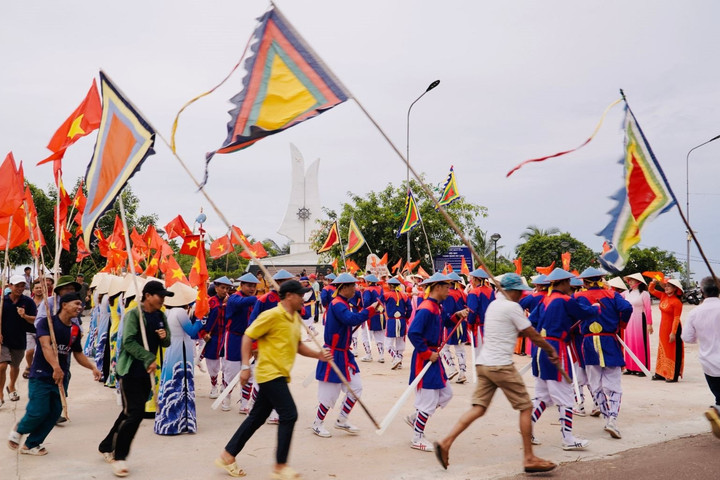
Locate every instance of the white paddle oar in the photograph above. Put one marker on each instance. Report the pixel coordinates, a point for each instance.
(635, 358)
(396, 408)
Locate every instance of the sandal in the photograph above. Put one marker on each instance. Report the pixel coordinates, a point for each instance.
(286, 473)
(26, 373)
(231, 468)
(540, 467)
(38, 451)
(441, 455)
(119, 468)
(15, 439)
(109, 457)
(14, 397)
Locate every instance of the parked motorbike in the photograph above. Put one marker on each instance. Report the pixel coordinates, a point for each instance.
(692, 296)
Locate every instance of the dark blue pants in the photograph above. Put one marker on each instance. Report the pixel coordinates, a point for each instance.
(274, 394)
(43, 409)
(714, 384)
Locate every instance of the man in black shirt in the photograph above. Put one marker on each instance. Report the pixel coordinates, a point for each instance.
(18, 314)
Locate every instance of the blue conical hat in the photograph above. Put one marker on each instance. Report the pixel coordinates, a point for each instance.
(248, 278)
(283, 275)
(344, 278)
(591, 272)
(436, 278)
(558, 274)
(223, 281)
(479, 273)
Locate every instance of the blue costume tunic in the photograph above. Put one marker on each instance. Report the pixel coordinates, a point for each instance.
(531, 302)
(371, 295)
(264, 302)
(237, 316)
(398, 309)
(478, 301)
(425, 333)
(326, 295)
(600, 345)
(339, 324)
(554, 317)
(454, 302)
(215, 326)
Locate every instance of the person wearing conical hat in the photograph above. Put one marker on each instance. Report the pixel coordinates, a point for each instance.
(426, 335)
(554, 317)
(176, 395)
(375, 328)
(213, 332)
(237, 314)
(309, 307)
(478, 300)
(455, 302)
(601, 350)
(640, 327)
(528, 304)
(398, 310)
(339, 323)
(671, 351)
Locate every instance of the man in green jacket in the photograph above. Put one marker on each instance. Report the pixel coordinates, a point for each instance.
(134, 366)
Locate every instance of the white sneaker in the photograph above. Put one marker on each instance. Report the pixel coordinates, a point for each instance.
(344, 425)
(200, 366)
(243, 410)
(422, 444)
(579, 410)
(214, 393)
(452, 374)
(381, 360)
(320, 430)
(225, 405)
(366, 358)
(397, 363)
(612, 429)
(595, 412)
(461, 378)
(534, 440)
(577, 444)
(273, 419)
(410, 420)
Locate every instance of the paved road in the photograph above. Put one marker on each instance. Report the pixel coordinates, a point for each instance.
(690, 458)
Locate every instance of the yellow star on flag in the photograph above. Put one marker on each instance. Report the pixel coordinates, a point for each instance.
(75, 128)
(193, 244)
(177, 273)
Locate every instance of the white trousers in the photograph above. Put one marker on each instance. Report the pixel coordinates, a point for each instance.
(428, 400)
(329, 392)
(553, 392)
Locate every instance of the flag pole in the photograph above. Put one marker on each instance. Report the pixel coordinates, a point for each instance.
(672, 194)
(138, 293)
(49, 315)
(5, 266)
(342, 248)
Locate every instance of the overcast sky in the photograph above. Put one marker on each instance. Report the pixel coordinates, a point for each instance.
(518, 80)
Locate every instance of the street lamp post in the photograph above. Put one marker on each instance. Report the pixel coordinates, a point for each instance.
(407, 148)
(495, 237)
(687, 206)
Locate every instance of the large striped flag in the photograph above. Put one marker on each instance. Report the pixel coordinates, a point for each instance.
(645, 195)
(412, 215)
(123, 143)
(450, 190)
(286, 83)
(355, 238)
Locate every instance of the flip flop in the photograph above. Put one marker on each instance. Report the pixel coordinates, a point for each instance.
(26, 373)
(14, 440)
(14, 397)
(231, 468)
(439, 455)
(119, 468)
(108, 456)
(286, 473)
(543, 466)
(36, 451)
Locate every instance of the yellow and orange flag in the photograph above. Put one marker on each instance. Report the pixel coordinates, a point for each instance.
(355, 238)
(332, 239)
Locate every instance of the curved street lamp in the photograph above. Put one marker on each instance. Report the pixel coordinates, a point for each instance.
(495, 237)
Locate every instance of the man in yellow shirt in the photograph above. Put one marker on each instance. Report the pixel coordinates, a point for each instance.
(277, 332)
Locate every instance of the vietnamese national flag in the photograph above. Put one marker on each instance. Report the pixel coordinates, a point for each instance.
(173, 273)
(566, 261)
(82, 250)
(152, 239)
(463, 267)
(220, 247)
(15, 224)
(396, 266)
(191, 245)
(84, 120)
(80, 200)
(198, 273)
(138, 241)
(12, 189)
(518, 265)
(153, 266)
(202, 303)
(177, 228)
(236, 231)
(334, 264)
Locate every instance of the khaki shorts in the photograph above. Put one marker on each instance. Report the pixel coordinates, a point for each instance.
(507, 379)
(12, 356)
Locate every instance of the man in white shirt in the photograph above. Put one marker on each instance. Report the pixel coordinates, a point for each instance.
(703, 327)
(504, 321)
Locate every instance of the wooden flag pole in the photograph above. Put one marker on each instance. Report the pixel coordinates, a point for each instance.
(48, 314)
(138, 293)
(5, 267)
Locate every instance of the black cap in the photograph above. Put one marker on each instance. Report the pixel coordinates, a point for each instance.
(154, 287)
(293, 286)
(68, 297)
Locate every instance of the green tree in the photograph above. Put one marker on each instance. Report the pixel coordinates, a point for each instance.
(379, 216)
(541, 250)
(533, 230)
(485, 247)
(651, 259)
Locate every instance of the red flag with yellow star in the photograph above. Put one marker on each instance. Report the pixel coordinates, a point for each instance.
(220, 247)
(173, 273)
(153, 266)
(198, 273)
(202, 303)
(177, 228)
(82, 250)
(191, 245)
(81, 122)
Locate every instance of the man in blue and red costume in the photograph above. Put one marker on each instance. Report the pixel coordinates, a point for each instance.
(478, 300)
(426, 334)
(265, 302)
(555, 317)
(455, 301)
(237, 314)
(528, 303)
(339, 324)
(601, 349)
(376, 325)
(326, 294)
(309, 307)
(214, 333)
(398, 310)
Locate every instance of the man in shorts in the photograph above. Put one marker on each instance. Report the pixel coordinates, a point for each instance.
(18, 314)
(504, 320)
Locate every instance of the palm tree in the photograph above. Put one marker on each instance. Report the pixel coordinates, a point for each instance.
(534, 230)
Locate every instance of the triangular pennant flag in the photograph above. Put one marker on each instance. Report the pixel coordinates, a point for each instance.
(286, 83)
(396, 266)
(355, 238)
(412, 215)
(450, 190)
(463, 266)
(332, 239)
(123, 143)
(384, 259)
